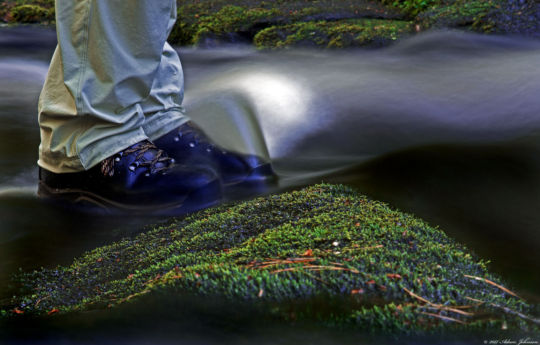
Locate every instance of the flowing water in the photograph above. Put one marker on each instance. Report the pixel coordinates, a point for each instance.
(445, 125)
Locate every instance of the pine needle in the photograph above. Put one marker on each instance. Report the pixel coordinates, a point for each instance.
(508, 311)
(446, 318)
(492, 283)
(438, 306)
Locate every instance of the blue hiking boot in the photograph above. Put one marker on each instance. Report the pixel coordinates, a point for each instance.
(241, 174)
(141, 180)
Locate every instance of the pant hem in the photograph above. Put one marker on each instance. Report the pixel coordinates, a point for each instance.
(93, 154)
(159, 124)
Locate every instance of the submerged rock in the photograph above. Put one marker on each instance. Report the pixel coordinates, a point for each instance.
(324, 254)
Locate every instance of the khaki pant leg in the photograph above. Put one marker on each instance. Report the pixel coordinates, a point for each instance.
(109, 81)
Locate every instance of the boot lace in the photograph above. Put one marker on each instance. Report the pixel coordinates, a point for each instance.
(107, 165)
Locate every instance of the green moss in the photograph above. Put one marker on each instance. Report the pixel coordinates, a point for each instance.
(412, 7)
(199, 20)
(321, 23)
(31, 14)
(484, 16)
(459, 14)
(234, 19)
(375, 268)
(339, 34)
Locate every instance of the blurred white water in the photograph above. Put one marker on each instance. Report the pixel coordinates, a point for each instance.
(436, 88)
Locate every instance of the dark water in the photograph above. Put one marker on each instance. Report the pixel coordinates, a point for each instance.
(445, 126)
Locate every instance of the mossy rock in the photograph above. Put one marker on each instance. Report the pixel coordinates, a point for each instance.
(412, 7)
(485, 16)
(234, 20)
(336, 34)
(202, 21)
(461, 14)
(31, 14)
(291, 22)
(386, 270)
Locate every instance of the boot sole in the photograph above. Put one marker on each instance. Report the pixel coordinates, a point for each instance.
(259, 181)
(88, 202)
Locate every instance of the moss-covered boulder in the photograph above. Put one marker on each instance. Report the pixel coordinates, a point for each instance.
(338, 34)
(373, 268)
(233, 21)
(202, 22)
(321, 23)
(36, 11)
(486, 16)
(29, 14)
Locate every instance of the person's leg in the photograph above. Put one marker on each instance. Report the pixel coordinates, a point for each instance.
(113, 84)
(113, 81)
(162, 107)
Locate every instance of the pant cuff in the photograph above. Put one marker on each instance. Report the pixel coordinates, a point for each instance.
(94, 153)
(161, 123)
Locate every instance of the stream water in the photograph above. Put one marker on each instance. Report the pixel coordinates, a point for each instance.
(445, 125)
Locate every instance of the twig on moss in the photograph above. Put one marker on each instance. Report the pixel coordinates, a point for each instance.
(276, 262)
(492, 283)
(316, 268)
(507, 310)
(438, 306)
(331, 268)
(446, 318)
(454, 310)
(412, 294)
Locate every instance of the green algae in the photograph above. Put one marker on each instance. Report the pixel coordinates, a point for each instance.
(324, 253)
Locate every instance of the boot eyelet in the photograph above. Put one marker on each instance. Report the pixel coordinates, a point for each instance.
(117, 159)
(177, 139)
(132, 167)
(192, 144)
(147, 174)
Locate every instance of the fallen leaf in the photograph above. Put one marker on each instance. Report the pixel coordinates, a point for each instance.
(54, 311)
(308, 252)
